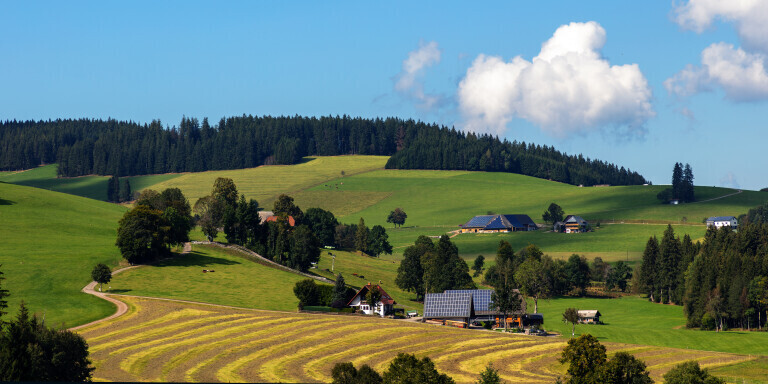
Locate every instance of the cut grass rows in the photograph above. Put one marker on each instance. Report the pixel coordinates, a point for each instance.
(172, 341)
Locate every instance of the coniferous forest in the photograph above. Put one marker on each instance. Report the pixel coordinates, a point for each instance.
(124, 148)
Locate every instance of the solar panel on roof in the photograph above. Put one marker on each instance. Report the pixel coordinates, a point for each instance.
(454, 304)
(478, 221)
(481, 299)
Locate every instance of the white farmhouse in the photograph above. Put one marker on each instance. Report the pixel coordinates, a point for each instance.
(384, 307)
(722, 221)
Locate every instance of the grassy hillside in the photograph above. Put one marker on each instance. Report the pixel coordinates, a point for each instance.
(237, 281)
(169, 341)
(452, 197)
(94, 187)
(635, 320)
(50, 243)
(267, 182)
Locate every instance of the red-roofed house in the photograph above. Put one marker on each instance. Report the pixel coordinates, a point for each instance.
(383, 308)
(291, 220)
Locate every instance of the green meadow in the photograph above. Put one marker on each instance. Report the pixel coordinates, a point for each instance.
(50, 243)
(237, 281)
(93, 187)
(635, 320)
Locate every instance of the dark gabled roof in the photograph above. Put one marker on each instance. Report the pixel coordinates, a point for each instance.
(478, 221)
(448, 305)
(500, 222)
(522, 220)
(575, 219)
(386, 299)
(722, 218)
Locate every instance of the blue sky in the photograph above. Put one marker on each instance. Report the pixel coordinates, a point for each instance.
(640, 84)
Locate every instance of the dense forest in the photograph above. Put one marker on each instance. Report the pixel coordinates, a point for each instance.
(124, 148)
(721, 283)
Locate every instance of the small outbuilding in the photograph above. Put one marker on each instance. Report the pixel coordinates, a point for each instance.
(589, 316)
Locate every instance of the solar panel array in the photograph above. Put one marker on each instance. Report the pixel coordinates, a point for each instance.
(478, 221)
(448, 304)
(481, 299)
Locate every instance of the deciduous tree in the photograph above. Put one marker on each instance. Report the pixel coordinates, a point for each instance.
(101, 274)
(397, 217)
(553, 214)
(407, 369)
(571, 315)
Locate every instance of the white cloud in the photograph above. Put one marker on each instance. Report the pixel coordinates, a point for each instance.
(748, 16)
(742, 75)
(568, 88)
(409, 81)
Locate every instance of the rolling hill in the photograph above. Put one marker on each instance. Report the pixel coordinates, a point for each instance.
(50, 243)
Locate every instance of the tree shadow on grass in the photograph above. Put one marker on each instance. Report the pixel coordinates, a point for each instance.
(6, 202)
(117, 291)
(194, 259)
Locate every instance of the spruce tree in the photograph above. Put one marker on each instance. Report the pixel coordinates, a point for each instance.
(677, 181)
(649, 267)
(361, 237)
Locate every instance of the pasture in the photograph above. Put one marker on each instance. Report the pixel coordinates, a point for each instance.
(171, 341)
(635, 320)
(265, 183)
(50, 243)
(237, 281)
(92, 187)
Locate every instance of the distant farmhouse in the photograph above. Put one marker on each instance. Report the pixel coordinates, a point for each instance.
(499, 223)
(462, 307)
(383, 308)
(722, 221)
(589, 316)
(267, 216)
(571, 224)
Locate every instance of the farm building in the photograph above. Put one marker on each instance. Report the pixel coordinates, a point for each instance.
(499, 223)
(461, 307)
(291, 220)
(591, 316)
(722, 221)
(383, 308)
(571, 224)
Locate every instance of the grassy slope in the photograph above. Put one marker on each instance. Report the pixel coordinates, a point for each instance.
(265, 183)
(237, 281)
(94, 187)
(452, 197)
(637, 321)
(50, 243)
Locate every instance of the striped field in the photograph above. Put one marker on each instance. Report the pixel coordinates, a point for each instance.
(160, 340)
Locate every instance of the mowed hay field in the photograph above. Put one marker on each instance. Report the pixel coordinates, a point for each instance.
(171, 341)
(265, 183)
(50, 243)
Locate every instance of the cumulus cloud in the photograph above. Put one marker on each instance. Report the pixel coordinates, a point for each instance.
(568, 88)
(409, 81)
(742, 75)
(748, 16)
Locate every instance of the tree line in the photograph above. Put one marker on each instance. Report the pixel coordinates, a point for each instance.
(125, 148)
(721, 283)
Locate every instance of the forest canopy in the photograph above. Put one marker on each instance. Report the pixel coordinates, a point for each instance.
(125, 148)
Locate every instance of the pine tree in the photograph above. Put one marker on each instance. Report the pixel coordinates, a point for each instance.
(361, 237)
(677, 181)
(688, 184)
(649, 267)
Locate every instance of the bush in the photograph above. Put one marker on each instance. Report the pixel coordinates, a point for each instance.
(708, 322)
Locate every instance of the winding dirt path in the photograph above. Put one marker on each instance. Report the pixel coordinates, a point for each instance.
(122, 307)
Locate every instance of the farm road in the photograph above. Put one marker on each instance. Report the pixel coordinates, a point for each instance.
(122, 308)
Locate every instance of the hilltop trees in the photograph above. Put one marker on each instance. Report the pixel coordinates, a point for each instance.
(682, 185)
(110, 147)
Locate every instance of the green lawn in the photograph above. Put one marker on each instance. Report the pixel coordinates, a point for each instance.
(50, 243)
(612, 242)
(94, 187)
(635, 320)
(237, 281)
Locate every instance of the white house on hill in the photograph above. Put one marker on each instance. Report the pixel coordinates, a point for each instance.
(722, 221)
(384, 307)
